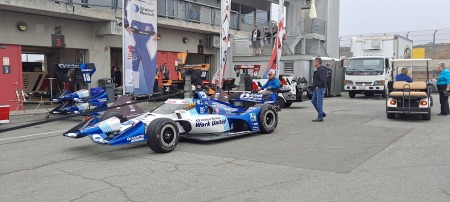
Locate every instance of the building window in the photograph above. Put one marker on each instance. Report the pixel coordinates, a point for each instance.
(262, 17)
(248, 14)
(288, 67)
(235, 7)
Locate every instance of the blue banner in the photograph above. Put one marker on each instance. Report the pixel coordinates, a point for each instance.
(140, 45)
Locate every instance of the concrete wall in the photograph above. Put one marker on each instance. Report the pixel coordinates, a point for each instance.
(78, 34)
(332, 19)
(172, 40)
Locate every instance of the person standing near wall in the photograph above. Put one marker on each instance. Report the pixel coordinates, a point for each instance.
(443, 85)
(117, 76)
(267, 39)
(329, 78)
(320, 87)
(256, 44)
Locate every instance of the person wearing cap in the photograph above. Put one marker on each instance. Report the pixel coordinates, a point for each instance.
(271, 86)
(319, 87)
(443, 85)
(403, 76)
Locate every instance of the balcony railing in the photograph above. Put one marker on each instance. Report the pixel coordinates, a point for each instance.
(114, 4)
(185, 10)
(244, 46)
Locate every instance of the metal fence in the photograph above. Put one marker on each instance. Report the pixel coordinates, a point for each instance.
(244, 46)
(114, 4)
(435, 42)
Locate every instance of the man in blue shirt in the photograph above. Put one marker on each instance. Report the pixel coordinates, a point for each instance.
(443, 85)
(271, 86)
(403, 76)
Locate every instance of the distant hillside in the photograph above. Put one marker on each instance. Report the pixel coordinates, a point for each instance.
(441, 51)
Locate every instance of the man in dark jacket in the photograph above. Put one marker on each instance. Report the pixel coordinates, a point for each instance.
(319, 87)
(256, 43)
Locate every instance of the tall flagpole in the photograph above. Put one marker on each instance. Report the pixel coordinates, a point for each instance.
(224, 40)
(274, 62)
(281, 33)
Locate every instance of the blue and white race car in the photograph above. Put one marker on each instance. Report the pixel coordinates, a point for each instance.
(200, 119)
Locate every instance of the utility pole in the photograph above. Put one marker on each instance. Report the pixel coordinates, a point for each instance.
(434, 44)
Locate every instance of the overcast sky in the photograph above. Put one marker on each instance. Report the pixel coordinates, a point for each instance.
(384, 16)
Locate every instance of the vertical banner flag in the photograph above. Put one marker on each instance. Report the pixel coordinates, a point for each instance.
(274, 62)
(139, 45)
(225, 21)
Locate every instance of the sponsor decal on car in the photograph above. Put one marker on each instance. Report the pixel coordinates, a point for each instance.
(213, 122)
(136, 138)
(252, 117)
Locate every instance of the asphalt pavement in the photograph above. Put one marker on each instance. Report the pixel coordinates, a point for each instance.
(357, 154)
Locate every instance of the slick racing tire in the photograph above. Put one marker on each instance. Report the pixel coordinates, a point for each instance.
(113, 114)
(268, 118)
(163, 135)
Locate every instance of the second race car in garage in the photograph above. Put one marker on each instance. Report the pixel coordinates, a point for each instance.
(199, 118)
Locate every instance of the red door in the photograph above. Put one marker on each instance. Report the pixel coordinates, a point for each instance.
(10, 75)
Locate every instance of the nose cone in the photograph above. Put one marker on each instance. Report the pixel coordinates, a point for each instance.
(91, 130)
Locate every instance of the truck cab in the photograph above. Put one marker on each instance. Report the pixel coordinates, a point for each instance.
(368, 75)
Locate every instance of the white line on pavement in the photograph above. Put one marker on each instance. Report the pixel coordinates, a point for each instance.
(31, 135)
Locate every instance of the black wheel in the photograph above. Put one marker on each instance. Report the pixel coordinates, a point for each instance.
(384, 94)
(390, 116)
(287, 104)
(268, 118)
(163, 135)
(427, 116)
(113, 114)
(351, 94)
(279, 102)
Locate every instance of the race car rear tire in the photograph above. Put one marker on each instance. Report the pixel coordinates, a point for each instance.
(268, 118)
(114, 114)
(287, 104)
(163, 135)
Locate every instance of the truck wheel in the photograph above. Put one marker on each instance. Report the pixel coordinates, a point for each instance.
(390, 116)
(279, 102)
(268, 118)
(113, 114)
(287, 104)
(427, 116)
(351, 94)
(162, 135)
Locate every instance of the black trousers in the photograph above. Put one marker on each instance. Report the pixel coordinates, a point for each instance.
(443, 99)
(328, 89)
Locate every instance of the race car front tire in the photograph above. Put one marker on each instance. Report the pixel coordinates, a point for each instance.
(268, 118)
(163, 135)
(113, 114)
